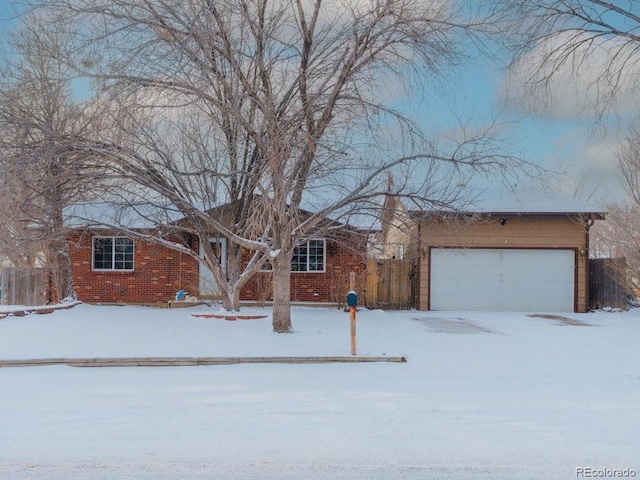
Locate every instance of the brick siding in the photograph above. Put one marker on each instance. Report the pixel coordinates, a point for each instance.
(329, 286)
(160, 272)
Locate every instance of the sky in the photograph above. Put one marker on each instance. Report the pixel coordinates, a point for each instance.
(562, 139)
(578, 153)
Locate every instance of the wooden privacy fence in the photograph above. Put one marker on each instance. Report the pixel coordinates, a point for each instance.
(607, 283)
(391, 284)
(23, 286)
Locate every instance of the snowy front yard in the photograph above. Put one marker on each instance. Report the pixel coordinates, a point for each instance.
(482, 396)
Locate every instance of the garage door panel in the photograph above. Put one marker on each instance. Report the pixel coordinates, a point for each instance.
(502, 279)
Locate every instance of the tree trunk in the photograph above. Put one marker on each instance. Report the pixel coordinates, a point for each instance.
(62, 272)
(282, 293)
(231, 282)
(231, 300)
(227, 300)
(236, 299)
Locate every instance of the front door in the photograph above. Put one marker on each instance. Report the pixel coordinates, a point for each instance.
(208, 285)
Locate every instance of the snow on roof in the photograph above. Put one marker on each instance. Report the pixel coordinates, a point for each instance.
(111, 214)
(529, 200)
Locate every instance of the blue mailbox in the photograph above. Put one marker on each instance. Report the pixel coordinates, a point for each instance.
(352, 299)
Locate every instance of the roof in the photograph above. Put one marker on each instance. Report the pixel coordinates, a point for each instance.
(145, 215)
(116, 215)
(525, 201)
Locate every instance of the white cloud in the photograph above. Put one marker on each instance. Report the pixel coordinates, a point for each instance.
(343, 10)
(574, 76)
(586, 163)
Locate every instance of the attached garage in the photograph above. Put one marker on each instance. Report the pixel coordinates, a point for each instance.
(528, 252)
(540, 280)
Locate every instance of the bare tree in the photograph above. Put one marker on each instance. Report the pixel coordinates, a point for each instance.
(628, 163)
(619, 236)
(37, 111)
(19, 245)
(299, 94)
(587, 53)
(171, 166)
(590, 47)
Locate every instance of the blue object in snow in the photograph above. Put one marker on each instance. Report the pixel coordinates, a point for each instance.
(180, 295)
(352, 299)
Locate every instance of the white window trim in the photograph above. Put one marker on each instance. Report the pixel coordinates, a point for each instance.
(324, 257)
(269, 269)
(113, 246)
(222, 241)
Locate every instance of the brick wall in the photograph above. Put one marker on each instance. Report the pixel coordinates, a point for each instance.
(329, 286)
(158, 274)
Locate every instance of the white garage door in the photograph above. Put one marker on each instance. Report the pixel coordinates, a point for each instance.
(502, 279)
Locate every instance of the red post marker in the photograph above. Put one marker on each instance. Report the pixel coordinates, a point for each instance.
(353, 329)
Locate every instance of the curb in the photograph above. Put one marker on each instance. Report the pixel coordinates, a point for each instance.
(189, 361)
(40, 310)
(228, 317)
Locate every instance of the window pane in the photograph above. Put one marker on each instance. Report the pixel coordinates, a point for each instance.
(299, 260)
(102, 253)
(316, 255)
(123, 252)
(112, 253)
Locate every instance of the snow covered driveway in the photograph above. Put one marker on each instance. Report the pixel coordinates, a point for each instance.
(483, 396)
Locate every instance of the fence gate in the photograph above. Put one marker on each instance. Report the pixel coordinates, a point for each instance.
(607, 283)
(23, 286)
(391, 284)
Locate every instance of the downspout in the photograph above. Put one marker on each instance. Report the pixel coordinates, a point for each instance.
(418, 267)
(589, 223)
(49, 286)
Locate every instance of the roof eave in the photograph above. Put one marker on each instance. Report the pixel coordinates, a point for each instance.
(418, 214)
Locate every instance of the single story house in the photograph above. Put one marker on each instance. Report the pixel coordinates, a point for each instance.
(519, 250)
(111, 267)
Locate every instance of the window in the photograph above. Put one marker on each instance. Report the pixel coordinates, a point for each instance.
(112, 253)
(309, 257)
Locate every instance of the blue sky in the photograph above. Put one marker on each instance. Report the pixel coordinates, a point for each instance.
(474, 93)
(558, 140)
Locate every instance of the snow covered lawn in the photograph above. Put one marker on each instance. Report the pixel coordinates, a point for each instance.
(482, 396)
